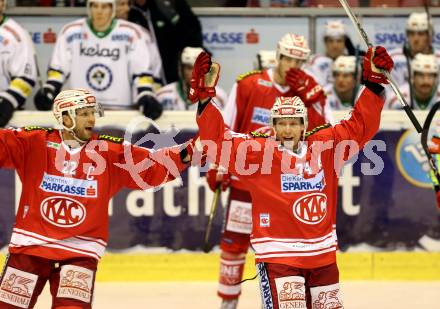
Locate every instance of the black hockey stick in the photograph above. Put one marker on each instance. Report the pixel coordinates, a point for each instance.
(424, 141)
(393, 84)
(207, 247)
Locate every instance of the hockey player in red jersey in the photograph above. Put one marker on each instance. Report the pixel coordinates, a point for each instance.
(248, 109)
(68, 177)
(292, 181)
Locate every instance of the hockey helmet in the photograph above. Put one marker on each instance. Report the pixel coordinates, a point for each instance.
(189, 55)
(70, 101)
(112, 2)
(344, 64)
(289, 107)
(266, 59)
(418, 22)
(425, 64)
(293, 46)
(334, 29)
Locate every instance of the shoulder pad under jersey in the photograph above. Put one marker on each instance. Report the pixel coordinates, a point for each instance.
(257, 134)
(243, 76)
(114, 139)
(34, 128)
(318, 128)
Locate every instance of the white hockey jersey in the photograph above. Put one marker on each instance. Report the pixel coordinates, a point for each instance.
(393, 103)
(116, 65)
(17, 63)
(334, 102)
(173, 97)
(400, 69)
(320, 67)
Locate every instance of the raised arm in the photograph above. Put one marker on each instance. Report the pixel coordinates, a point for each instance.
(365, 117)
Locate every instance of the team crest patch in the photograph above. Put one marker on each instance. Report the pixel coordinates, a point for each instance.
(17, 287)
(291, 292)
(75, 282)
(328, 296)
(99, 77)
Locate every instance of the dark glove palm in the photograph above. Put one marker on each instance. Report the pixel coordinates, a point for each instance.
(151, 107)
(6, 111)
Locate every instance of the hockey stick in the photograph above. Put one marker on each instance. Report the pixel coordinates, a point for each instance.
(207, 247)
(424, 141)
(393, 85)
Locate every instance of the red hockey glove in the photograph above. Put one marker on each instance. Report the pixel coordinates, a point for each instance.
(216, 178)
(190, 152)
(304, 86)
(205, 76)
(376, 60)
(434, 147)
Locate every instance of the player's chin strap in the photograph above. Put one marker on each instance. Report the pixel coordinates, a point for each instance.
(70, 130)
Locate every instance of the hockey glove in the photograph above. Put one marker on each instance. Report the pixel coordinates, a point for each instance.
(376, 60)
(434, 146)
(43, 99)
(204, 78)
(6, 111)
(150, 106)
(304, 86)
(217, 178)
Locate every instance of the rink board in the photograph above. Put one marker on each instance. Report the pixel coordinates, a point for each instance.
(408, 266)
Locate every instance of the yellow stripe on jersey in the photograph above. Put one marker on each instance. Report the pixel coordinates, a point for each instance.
(21, 87)
(244, 75)
(145, 81)
(55, 75)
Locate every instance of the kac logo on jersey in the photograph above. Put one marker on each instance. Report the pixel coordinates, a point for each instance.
(62, 211)
(261, 116)
(99, 77)
(311, 209)
(69, 186)
(264, 220)
(297, 183)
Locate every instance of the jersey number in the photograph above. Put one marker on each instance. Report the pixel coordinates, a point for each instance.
(69, 167)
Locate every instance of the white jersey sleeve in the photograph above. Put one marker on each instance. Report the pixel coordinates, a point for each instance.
(230, 109)
(140, 64)
(320, 68)
(61, 62)
(156, 66)
(18, 70)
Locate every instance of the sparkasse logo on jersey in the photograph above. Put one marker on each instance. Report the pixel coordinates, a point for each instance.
(62, 211)
(297, 183)
(311, 209)
(69, 186)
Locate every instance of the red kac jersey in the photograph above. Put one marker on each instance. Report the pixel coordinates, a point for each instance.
(63, 210)
(294, 194)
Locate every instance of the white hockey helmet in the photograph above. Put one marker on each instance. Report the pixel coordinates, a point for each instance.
(425, 64)
(293, 46)
(418, 22)
(70, 101)
(289, 107)
(334, 29)
(266, 59)
(190, 54)
(112, 2)
(344, 64)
